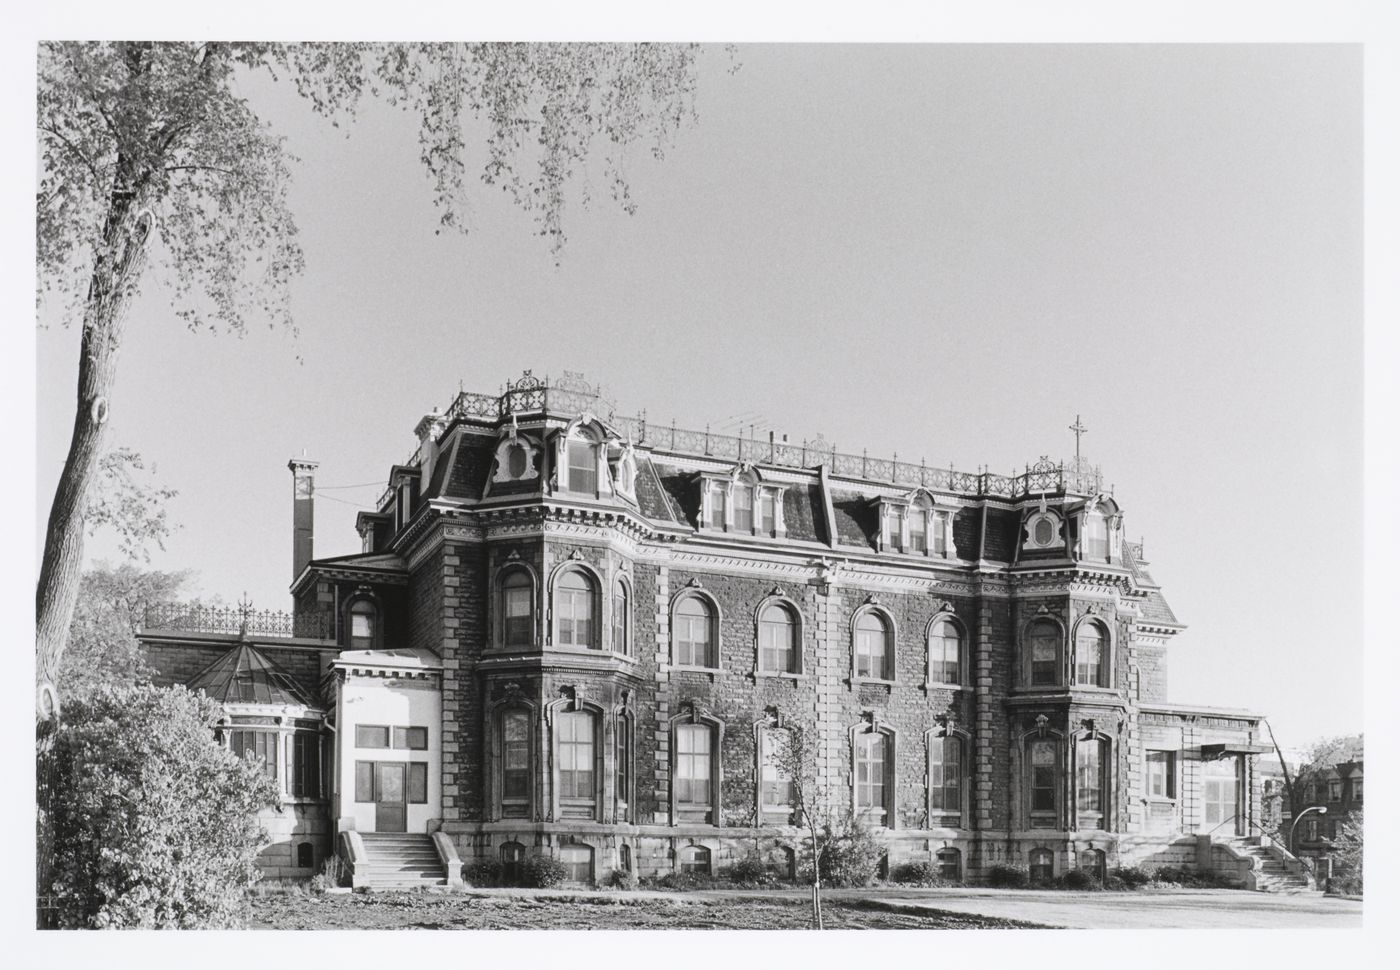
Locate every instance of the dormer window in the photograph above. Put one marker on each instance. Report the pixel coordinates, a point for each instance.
(918, 531)
(742, 504)
(1095, 537)
(1043, 531)
(583, 466)
(718, 492)
(743, 508)
(894, 528)
(768, 512)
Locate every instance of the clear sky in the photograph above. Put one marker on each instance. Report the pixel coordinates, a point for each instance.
(944, 251)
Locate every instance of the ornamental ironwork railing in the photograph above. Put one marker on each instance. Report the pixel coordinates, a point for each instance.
(571, 394)
(187, 618)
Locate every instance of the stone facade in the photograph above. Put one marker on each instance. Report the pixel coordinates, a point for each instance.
(564, 568)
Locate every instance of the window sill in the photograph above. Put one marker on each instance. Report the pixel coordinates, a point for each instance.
(687, 668)
(873, 681)
(939, 685)
(779, 675)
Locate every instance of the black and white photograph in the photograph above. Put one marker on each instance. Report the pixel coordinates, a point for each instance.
(562, 472)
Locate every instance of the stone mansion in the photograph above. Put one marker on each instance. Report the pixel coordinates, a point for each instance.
(572, 633)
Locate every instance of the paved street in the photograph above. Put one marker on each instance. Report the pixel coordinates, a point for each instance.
(1199, 909)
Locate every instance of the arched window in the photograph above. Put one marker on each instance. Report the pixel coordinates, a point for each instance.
(574, 595)
(1043, 782)
(583, 466)
(575, 739)
(1091, 782)
(695, 782)
(782, 862)
(1094, 862)
(694, 858)
(620, 642)
(1043, 640)
(364, 625)
(622, 766)
(512, 855)
(874, 770)
(624, 857)
(945, 780)
(777, 641)
(513, 745)
(517, 609)
(945, 653)
(1042, 866)
(874, 647)
(775, 782)
(694, 633)
(949, 864)
(1091, 655)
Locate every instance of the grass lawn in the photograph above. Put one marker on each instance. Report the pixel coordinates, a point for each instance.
(579, 911)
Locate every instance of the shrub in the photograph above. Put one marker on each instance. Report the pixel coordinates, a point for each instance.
(1079, 879)
(683, 881)
(1133, 877)
(332, 875)
(1348, 885)
(852, 858)
(751, 870)
(542, 872)
(1008, 877)
(154, 824)
(1116, 883)
(925, 874)
(483, 872)
(623, 879)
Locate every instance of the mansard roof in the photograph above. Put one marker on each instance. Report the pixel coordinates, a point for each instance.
(245, 675)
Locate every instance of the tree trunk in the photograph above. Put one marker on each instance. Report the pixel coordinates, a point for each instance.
(116, 268)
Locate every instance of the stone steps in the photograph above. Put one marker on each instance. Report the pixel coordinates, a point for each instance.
(399, 861)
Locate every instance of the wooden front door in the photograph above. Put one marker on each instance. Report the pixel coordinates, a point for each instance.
(390, 808)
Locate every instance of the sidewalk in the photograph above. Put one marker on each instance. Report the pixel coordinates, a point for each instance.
(1146, 909)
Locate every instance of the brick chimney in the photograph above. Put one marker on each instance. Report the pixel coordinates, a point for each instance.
(303, 525)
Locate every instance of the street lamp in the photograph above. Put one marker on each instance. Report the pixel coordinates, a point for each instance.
(1293, 829)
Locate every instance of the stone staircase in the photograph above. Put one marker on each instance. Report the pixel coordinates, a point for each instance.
(395, 860)
(1272, 868)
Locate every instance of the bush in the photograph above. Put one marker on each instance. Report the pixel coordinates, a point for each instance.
(1079, 879)
(542, 872)
(623, 879)
(749, 871)
(332, 875)
(852, 859)
(1009, 877)
(1115, 883)
(483, 872)
(926, 874)
(1348, 885)
(154, 824)
(1189, 878)
(1133, 877)
(682, 881)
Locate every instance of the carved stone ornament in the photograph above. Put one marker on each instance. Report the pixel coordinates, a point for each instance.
(575, 695)
(1041, 724)
(946, 606)
(626, 471)
(692, 583)
(1088, 724)
(514, 555)
(776, 591)
(772, 716)
(872, 599)
(691, 709)
(575, 555)
(948, 722)
(517, 459)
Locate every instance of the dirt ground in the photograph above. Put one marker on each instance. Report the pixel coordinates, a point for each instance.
(600, 911)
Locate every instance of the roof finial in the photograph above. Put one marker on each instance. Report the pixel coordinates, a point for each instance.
(1078, 429)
